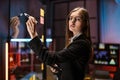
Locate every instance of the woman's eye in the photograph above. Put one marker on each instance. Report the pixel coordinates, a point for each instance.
(75, 19)
(78, 19)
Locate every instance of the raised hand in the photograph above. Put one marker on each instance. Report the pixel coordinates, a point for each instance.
(14, 24)
(31, 23)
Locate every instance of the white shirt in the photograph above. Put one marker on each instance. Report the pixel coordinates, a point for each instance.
(75, 36)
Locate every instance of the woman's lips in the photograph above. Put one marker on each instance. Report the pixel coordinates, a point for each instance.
(72, 25)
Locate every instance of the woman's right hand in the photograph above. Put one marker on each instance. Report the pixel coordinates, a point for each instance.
(31, 23)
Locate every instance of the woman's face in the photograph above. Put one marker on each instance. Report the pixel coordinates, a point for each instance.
(75, 23)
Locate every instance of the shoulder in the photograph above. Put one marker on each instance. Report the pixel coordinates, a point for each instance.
(82, 39)
(81, 43)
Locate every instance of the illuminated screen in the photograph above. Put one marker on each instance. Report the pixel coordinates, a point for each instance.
(106, 54)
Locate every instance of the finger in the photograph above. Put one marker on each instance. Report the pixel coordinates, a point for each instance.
(15, 21)
(31, 23)
(33, 20)
(29, 26)
(53, 70)
(12, 24)
(14, 18)
(56, 65)
(15, 24)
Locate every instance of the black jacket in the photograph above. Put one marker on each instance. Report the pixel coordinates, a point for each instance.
(73, 59)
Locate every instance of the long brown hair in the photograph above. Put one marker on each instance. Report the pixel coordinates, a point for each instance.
(85, 20)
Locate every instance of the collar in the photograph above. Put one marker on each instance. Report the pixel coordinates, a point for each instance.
(75, 36)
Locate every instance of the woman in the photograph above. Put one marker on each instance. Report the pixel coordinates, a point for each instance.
(74, 58)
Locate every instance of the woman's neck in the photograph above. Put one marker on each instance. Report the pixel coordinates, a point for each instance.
(78, 33)
(75, 36)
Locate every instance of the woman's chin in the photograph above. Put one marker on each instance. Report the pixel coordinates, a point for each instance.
(71, 29)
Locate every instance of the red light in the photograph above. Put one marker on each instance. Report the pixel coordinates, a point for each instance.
(111, 75)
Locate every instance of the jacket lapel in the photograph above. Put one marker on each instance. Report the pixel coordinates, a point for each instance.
(82, 37)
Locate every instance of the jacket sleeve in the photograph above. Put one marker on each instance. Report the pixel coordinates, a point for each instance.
(73, 51)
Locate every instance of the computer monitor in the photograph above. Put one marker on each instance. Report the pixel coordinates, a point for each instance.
(106, 54)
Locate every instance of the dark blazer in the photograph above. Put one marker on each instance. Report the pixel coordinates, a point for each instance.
(72, 59)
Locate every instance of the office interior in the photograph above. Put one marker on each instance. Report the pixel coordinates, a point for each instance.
(19, 62)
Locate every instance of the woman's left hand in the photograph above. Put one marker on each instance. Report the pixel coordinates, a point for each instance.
(53, 69)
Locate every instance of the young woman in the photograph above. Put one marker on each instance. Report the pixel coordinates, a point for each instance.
(74, 58)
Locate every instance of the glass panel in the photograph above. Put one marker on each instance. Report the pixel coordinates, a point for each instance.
(23, 63)
(91, 6)
(22, 9)
(60, 28)
(61, 11)
(76, 4)
(94, 30)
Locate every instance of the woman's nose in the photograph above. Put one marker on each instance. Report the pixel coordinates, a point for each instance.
(73, 20)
